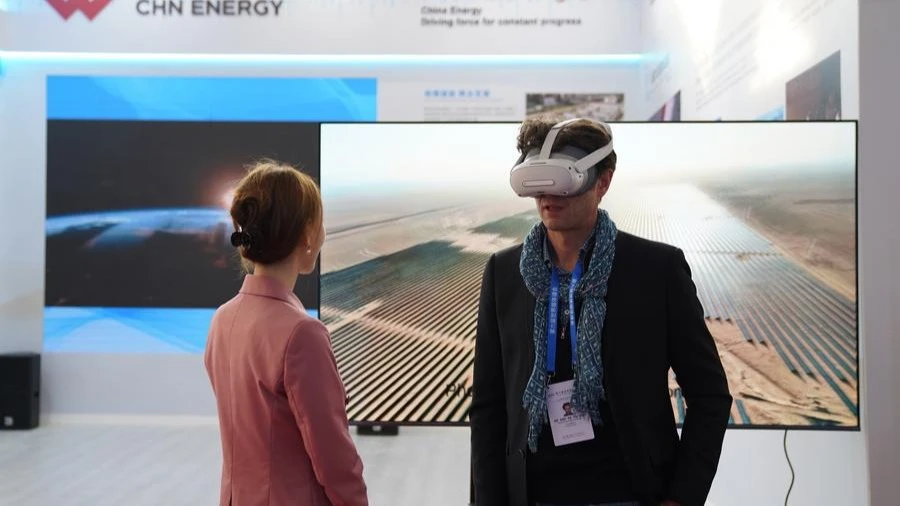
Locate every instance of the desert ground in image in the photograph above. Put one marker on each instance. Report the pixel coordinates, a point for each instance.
(767, 393)
(812, 219)
(400, 296)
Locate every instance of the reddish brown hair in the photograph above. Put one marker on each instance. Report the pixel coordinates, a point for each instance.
(274, 206)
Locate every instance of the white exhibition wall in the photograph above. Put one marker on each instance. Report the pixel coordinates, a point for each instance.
(879, 235)
(831, 467)
(732, 60)
(333, 27)
(4, 30)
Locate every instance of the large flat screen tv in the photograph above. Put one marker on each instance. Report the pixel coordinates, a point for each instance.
(765, 213)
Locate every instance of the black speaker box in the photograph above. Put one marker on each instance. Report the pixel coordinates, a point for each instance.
(20, 385)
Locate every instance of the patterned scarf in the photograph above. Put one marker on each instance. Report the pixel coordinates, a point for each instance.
(591, 289)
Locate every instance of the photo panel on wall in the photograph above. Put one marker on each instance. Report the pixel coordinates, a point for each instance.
(770, 235)
(140, 172)
(815, 94)
(563, 106)
(139, 231)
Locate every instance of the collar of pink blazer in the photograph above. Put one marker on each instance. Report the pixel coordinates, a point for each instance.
(268, 287)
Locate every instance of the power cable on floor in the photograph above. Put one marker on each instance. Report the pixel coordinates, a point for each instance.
(790, 465)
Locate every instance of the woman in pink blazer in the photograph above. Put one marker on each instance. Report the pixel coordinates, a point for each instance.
(281, 403)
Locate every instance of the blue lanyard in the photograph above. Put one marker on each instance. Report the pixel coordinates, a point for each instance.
(553, 317)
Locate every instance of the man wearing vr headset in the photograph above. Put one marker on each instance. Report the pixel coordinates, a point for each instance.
(587, 316)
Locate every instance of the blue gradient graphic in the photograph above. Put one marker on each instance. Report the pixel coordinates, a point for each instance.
(776, 114)
(127, 330)
(152, 98)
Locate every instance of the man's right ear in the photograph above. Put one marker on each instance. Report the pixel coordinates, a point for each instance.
(603, 182)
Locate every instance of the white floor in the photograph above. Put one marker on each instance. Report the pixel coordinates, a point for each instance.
(114, 463)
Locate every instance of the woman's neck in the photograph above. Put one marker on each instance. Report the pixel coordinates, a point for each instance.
(284, 273)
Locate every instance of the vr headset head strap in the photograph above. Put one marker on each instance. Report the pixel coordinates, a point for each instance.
(594, 158)
(551, 138)
(585, 163)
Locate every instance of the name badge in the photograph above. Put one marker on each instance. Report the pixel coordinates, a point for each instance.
(567, 425)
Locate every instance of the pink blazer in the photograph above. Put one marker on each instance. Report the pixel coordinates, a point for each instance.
(281, 404)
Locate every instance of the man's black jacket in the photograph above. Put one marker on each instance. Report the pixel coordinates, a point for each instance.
(654, 321)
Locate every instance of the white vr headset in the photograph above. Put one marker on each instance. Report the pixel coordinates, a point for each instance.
(566, 172)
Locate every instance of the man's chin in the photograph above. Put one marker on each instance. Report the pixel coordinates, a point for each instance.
(555, 224)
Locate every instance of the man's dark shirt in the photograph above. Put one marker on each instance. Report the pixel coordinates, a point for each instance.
(589, 472)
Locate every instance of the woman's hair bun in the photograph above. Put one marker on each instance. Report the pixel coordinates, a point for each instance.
(241, 239)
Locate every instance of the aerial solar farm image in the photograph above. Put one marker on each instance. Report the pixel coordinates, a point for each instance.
(766, 218)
